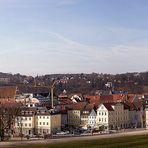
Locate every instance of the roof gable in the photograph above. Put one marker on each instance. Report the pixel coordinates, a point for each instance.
(106, 106)
(93, 113)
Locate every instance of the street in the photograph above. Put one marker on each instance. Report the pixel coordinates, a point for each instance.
(66, 139)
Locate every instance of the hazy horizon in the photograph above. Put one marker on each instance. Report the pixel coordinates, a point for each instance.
(73, 36)
(71, 73)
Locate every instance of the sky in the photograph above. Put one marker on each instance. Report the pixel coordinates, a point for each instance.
(40, 37)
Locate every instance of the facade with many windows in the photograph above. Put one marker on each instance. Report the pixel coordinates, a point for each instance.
(37, 121)
(87, 116)
(112, 116)
(74, 117)
(78, 114)
(42, 121)
(24, 123)
(92, 119)
(74, 114)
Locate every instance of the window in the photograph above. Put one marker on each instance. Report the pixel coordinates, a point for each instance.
(25, 118)
(44, 117)
(47, 117)
(40, 123)
(47, 123)
(43, 123)
(40, 117)
(29, 118)
(29, 124)
(25, 124)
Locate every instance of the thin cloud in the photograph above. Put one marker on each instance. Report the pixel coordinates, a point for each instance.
(50, 52)
(36, 3)
(67, 2)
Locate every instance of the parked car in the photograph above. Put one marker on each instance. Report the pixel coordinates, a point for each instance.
(86, 132)
(61, 133)
(66, 132)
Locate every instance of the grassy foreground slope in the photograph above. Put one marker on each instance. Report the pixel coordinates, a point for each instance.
(121, 142)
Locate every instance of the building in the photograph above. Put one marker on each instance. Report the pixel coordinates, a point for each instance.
(27, 99)
(37, 121)
(64, 118)
(25, 122)
(146, 117)
(55, 122)
(112, 116)
(4, 80)
(92, 119)
(145, 105)
(42, 121)
(7, 94)
(74, 114)
(136, 113)
(85, 113)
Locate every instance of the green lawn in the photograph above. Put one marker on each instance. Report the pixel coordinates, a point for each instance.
(122, 142)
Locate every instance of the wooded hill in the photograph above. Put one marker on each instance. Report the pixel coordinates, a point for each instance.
(84, 83)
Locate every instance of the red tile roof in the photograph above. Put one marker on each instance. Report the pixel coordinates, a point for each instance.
(89, 107)
(109, 106)
(90, 98)
(7, 94)
(118, 97)
(106, 99)
(77, 106)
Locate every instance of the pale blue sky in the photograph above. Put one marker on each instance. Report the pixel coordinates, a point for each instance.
(73, 36)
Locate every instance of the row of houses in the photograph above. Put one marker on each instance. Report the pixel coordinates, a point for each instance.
(110, 112)
(110, 115)
(37, 121)
(34, 120)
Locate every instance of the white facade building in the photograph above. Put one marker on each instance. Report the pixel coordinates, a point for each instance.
(42, 121)
(24, 123)
(112, 116)
(146, 117)
(37, 121)
(92, 119)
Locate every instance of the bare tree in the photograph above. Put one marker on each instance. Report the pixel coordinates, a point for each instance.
(8, 113)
